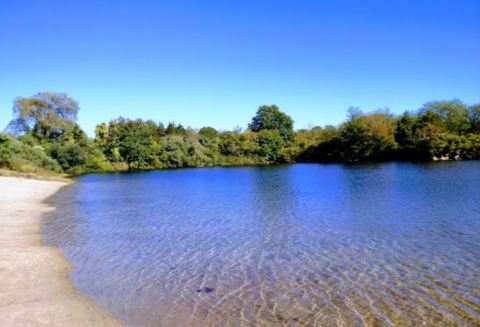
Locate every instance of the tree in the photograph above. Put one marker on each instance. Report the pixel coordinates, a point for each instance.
(46, 115)
(379, 133)
(352, 135)
(271, 144)
(134, 143)
(404, 129)
(230, 144)
(404, 136)
(367, 137)
(271, 118)
(69, 155)
(428, 124)
(453, 113)
(208, 132)
(101, 134)
(20, 156)
(475, 118)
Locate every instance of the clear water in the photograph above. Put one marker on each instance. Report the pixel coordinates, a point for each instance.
(317, 245)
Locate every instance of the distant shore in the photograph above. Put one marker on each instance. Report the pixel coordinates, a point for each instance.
(35, 288)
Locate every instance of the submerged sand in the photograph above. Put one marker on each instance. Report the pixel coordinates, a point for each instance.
(35, 289)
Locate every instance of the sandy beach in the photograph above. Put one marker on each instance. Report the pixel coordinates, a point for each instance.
(35, 289)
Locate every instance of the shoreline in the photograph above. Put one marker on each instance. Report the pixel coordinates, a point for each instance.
(35, 288)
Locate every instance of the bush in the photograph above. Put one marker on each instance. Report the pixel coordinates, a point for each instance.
(22, 157)
(69, 155)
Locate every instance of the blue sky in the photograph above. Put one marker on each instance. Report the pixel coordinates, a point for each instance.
(214, 62)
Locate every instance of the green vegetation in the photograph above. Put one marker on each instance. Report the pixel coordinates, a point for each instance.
(43, 136)
(18, 156)
(440, 130)
(48, 138)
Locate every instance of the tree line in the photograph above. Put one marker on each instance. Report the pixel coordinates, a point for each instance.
(44, 136)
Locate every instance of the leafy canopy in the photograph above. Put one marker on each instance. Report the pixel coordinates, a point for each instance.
(271, 118)
(46, 115)
(454, 115)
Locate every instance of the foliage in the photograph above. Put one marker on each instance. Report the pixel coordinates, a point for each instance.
(271, 144)
(453, 116)
(475, 119)
(208, 132)
(439, 130)
(146, 145)
(69, 155)
(271, 118)
(48, 139)
(16, 155)
(45, 115)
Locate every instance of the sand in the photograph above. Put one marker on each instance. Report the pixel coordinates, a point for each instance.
(35, 288)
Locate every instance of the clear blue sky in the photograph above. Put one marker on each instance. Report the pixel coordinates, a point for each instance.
(214, 62)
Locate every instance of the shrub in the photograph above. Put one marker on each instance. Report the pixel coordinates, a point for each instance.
(19, 156)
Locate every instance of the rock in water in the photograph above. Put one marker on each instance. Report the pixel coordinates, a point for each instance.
(205, 290)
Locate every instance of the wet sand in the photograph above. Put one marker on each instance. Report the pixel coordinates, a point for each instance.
(35, 289)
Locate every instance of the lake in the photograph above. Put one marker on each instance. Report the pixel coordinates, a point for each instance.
(318, 245)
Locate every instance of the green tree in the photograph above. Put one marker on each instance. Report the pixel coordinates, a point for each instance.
(404, 129)
(379, 134)
(271, 144)
(454, 114)
(208, 132)
(20, 156)
(230, 144)
(69, 155)
(352, 136)
(171, 129)
(135, 145)
(367, 137)
(45, 115)
(271, 118)
(475, 118)
(101, 134)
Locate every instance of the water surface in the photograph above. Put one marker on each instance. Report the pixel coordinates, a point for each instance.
(317, 245)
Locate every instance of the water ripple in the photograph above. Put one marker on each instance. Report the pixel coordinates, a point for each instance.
(303, 245)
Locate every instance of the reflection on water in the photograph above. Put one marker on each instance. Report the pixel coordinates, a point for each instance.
(318, 245)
